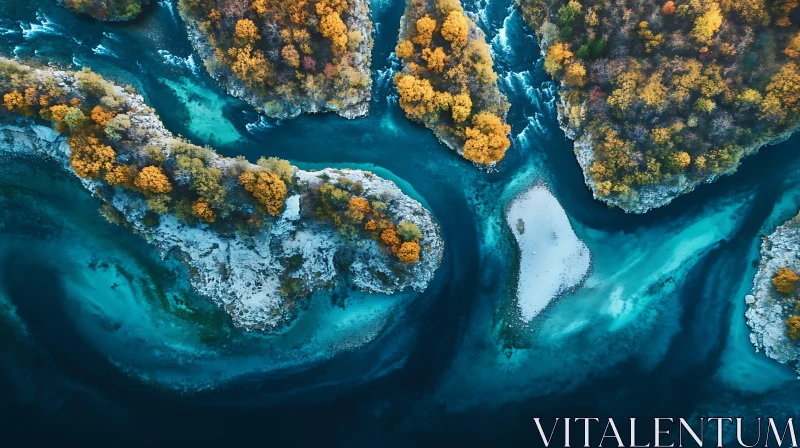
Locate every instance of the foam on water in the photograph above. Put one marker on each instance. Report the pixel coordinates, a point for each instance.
(262, 124)
(168, 5)
(43, 27)
(102, 50)
(187, 63)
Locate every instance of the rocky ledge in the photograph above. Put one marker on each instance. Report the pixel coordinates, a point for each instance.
(259, 280)
(768, 309)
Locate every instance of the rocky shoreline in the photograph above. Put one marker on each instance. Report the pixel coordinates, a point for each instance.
(246, 276)
(767, 310)
(362, 58)
(649, 197)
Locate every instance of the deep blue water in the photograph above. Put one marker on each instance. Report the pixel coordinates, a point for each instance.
(657, 330)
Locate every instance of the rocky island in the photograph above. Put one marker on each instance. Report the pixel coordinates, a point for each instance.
(448, 83)
(257, 238)
(660, 96)
(773, 308)
(286, 57)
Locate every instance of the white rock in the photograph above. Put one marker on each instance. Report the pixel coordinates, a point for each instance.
(552, 258)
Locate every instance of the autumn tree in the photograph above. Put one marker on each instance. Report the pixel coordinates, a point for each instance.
(151, 180)
(793, 327)
(436, 59)
(793, 48)
(89, 157)
(785, 280)
(707, 23)
(101, 116)
(651, 40)
(332, 28)
(404, 49)
(487, 139)
(408, 252)
(246, 33)
(203, 211)
(557, 55)
(575, 75)
(250, 65)
(357, 209)
(14, 100)
(425, 28)
(121, 175)
(267, 187)
(783, 93)
(291, 55)
(390, 238)
(682, 159)
(417, 97)
(462, 107)
(456, 28)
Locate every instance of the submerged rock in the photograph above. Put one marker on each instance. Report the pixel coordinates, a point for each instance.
(552, 258)
(767, 308)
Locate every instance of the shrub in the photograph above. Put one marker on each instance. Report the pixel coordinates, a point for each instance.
(785, 280)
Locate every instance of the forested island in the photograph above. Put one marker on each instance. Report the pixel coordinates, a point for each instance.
(257, 237)
(448, 82)
(109, 10)
(286, 57)
(660, 96)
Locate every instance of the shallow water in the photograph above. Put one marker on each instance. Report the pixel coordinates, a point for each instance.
(103, 339)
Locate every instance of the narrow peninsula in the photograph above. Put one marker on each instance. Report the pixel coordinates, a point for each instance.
(286, 57)
(773, 312)
(258, 238)
(448, 82)
(107, 10)
(660, 96)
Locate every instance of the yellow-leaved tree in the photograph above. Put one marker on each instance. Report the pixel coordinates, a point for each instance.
(267, 187)
(487, 139)
(785, 280)
(151, 180)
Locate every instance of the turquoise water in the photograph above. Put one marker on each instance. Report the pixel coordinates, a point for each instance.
(101, 337)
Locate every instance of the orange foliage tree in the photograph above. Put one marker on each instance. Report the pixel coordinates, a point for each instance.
(408, 252)
(89, 157)
(390, 238)
(425, 28)
(487, 140)
(202, 210)
(785, 280)
(267, 188)
(151, 180)
(455, 28)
